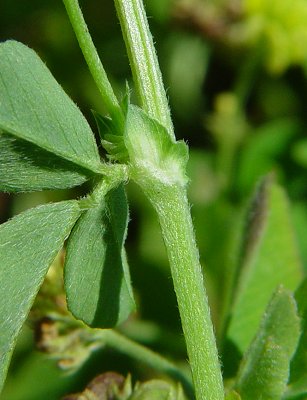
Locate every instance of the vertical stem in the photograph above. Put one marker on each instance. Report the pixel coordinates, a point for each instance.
(143, 60)
(174, 214)
(173, 210)
(93, 61)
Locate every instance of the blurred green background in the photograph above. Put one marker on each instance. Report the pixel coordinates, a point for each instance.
(235, 73)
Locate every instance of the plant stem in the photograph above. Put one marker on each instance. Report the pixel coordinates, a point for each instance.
(93, 61)
(173, 210)
(144, 355)
(143, 60)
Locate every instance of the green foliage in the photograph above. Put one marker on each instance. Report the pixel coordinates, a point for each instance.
(29, 242)
(233, 395)
(269, 258)
(96, 272)
(39, 119)
(263, 149)
(282, 28)
(253, 124)
(27, 167)
(264, 370)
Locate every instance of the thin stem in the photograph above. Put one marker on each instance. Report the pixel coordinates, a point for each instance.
(143, 60)
(93, 61)
(144, 355)
(175, 219)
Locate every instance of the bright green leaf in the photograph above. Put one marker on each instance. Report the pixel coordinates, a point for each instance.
(233, 395)
(96, 272)
(269, 258)
(154, 157)
(33, 107)
(264, 370)
(26, 167)
(28, 244)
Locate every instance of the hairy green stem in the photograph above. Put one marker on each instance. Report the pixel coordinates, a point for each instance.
(93, 61)
(173, 210)
(143, 60)
(144, 355)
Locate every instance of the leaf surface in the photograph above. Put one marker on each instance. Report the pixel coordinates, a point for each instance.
(264, 370)
(27, 167)
(269, 259)
(96, 272)
(28, 244)
(34, 107)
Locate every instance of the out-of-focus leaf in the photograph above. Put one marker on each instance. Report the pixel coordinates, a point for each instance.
(27, 167)
(34, 108)
(299, 152)
(264, 370)
(186, 53)
(262, 150)
(233, 395)
(96, 272)
(298, 372)
(28, 244)
(269, 258)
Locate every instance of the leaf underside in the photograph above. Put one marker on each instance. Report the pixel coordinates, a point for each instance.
(97, 280)
(28, 244)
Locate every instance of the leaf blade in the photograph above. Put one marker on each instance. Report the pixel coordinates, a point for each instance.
(270, 258)
(96, 273)
(35, 108)
(26, 167)
(28, 244)
(264, 370)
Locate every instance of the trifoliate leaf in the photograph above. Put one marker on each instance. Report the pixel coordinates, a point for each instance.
(28, 244)
(96, 272)
(269, 258)
(264, 370)
(34, 108)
